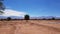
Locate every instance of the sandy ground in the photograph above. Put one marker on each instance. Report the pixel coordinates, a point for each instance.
(30, 27)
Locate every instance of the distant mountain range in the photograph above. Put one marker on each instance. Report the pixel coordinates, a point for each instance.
(18, 17)
(12, 17)
(44, 17)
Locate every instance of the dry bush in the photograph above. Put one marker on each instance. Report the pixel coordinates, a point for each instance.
(8, 19)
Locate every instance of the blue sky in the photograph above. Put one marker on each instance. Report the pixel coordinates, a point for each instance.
(35, 7)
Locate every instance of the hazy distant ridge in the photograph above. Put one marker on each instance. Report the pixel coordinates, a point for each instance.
(18, 17)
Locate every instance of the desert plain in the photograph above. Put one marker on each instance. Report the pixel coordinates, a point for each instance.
(30, 27)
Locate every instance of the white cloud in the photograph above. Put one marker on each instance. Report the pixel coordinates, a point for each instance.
(10, 12)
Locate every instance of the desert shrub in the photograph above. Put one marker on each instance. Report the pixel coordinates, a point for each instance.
(26, 17)
(44, 19)
(8, 18)
(49, 19)
(53, 18)
(1, 19)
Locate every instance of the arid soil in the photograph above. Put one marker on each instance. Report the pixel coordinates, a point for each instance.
(30, 27)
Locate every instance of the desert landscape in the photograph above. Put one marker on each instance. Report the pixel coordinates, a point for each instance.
(30, 27)
(29, 16)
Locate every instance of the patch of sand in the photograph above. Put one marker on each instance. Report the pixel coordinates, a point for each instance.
(30, 27)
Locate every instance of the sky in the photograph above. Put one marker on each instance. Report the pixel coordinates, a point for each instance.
(32, 7)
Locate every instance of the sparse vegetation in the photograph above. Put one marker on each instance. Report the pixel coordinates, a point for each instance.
(9, 18)
(53, 18)
(44, 19)
(27, 17)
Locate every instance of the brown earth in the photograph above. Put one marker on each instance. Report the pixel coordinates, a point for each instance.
(30, 27)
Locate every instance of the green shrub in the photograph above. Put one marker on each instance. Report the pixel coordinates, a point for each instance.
(53, 18)
(8, 19)
(26, 17)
